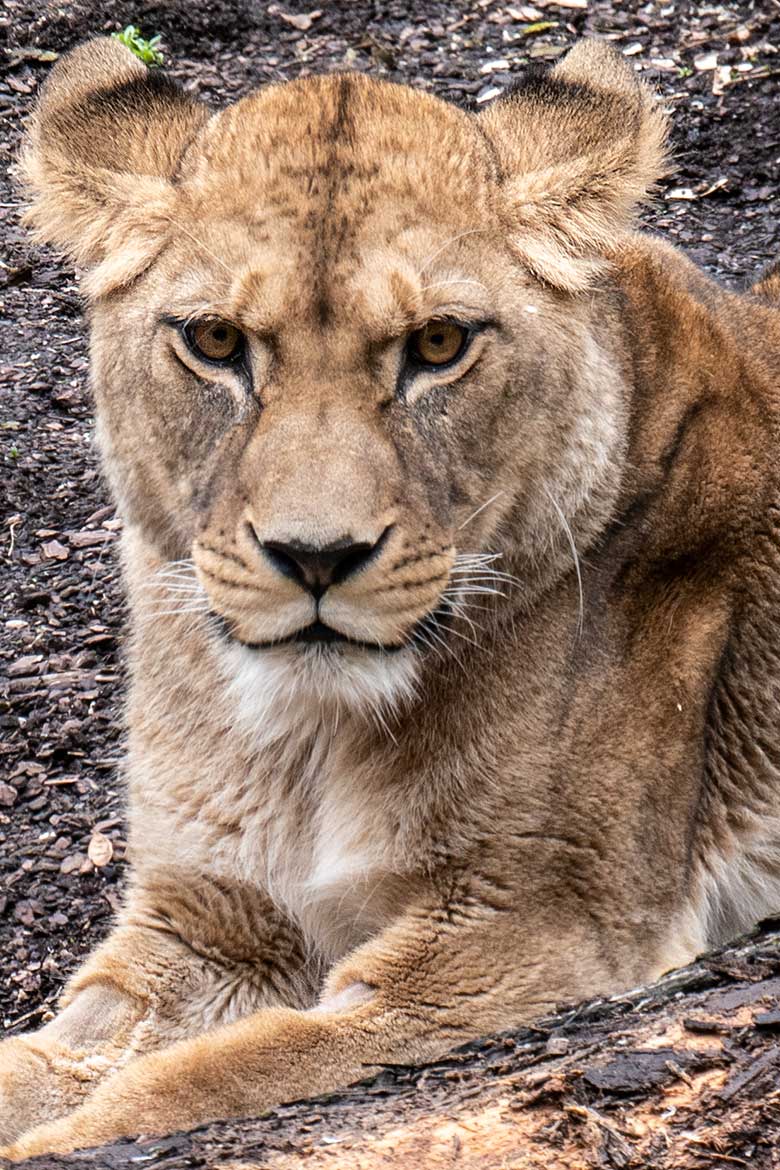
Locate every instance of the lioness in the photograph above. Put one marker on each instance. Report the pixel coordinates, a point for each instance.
(452, 551)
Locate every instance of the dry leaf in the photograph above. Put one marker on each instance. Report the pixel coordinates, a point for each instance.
(100, 850)
(300, 20)
(689, 195)
(26, 665)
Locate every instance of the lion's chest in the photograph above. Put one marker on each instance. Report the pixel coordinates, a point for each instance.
(320, 843)
(300, 819)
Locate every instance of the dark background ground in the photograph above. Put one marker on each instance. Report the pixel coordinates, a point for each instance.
(60, 608)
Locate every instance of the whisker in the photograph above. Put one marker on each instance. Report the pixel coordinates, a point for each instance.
(380, 720)
(454, 280)
(175, 612)
(463, 637)
(575, 554)
(477, 578)
(434, 629)
(465, 587)
(457, 609)
(454, 599)
(448, 244)
(188, 582)
(481, 508)
(199, 244)
(180, 590)
(422, 639)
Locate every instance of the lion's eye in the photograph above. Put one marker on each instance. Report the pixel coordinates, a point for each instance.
(214, 340)
(438, 343)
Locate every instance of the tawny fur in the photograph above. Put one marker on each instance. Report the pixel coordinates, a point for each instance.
(560, 775)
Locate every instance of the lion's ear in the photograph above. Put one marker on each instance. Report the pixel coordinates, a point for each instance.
(577, 148)
(103, 147)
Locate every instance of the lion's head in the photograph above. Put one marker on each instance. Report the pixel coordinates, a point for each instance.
(354, 349)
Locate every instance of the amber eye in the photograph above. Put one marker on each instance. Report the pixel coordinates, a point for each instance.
(438, 343)
(214, 340)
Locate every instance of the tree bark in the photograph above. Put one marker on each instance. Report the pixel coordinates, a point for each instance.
(682, 1075)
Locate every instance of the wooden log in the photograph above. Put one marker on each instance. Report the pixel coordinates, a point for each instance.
(681, 1075)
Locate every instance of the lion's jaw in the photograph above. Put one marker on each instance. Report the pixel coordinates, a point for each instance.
(271, 690)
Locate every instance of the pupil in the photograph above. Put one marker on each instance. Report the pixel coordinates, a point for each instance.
(220, 334)
(438, 339)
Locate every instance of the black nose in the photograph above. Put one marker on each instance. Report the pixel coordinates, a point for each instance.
(317, 567)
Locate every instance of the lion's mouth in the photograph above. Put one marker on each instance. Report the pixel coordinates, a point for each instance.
(320, 634)
(316, 634)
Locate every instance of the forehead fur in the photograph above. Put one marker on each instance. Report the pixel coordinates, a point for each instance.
(305, 146)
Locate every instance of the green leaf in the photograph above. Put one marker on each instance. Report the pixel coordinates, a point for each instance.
(145, 50)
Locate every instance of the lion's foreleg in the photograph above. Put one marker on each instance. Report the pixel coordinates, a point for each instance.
(185, 957)
(437, 978)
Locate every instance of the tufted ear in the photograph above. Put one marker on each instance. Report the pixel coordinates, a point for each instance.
(577, 147)
(102, 151)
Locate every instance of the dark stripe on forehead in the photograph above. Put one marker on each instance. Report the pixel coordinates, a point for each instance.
(342, 128)
(334, 228)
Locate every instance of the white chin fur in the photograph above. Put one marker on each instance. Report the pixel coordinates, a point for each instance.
(272, 691)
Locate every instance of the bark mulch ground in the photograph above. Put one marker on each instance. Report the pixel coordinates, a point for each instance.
(62, 849)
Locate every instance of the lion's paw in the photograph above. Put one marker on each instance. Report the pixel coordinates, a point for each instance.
(40, 1080)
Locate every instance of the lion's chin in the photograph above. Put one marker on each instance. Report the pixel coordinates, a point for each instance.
(273, 690)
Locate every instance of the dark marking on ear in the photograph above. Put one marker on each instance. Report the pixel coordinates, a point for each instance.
(767, 285)
(126, 128)
(538, 85)
(497, 173)
(137, 95)
(599, 112)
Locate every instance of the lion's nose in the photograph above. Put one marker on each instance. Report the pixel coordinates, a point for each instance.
(317, 567)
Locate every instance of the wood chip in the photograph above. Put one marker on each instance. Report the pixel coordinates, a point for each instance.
(524, 12)
(25, 666)
(8, 795)
(87, 539)
(72, 863)
(54, 551)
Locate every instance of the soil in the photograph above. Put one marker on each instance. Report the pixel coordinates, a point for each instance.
(62, 849)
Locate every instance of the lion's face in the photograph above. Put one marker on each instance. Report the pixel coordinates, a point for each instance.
(344, 393)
